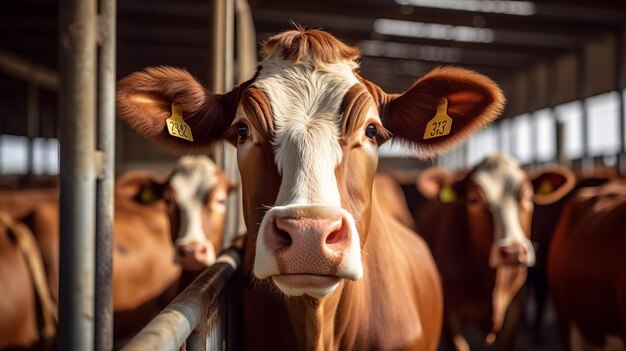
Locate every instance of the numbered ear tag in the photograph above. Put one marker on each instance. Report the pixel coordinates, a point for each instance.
(447, 195)
(176, 126)
(441, 124)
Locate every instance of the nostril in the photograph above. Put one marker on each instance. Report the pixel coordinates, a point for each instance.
(202, 249)
(335, 237)
(182, 251)
(284, 237)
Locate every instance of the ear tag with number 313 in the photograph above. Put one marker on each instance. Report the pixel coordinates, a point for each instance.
(441, 124)
(176, 125)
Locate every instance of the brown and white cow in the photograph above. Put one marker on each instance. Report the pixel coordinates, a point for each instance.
(147, 272)
(324, 266)
(480, 241)
(587, 268)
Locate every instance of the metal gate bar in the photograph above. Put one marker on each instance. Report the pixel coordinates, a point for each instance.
(77, 130)
(104, 208)
(170, 329)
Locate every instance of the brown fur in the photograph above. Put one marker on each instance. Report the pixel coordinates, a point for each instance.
(312, 44)
(586, 264)
(461, 234)
(145, 276)
(549, 204)
(397, 304)
(21, 307)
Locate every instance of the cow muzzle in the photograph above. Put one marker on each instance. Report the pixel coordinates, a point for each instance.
(195, 256)
(512, 254)
(308, 249)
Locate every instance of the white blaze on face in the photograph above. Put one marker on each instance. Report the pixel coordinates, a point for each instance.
(500, 177)
(305, 103)
(192, 180)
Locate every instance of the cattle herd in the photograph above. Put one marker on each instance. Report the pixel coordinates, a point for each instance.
(336, 256)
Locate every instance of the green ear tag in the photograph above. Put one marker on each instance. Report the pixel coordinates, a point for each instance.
(441, 124)
(176, 125)
(447, 195)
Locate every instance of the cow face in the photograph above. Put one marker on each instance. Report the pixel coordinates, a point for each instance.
(499, 200)
(196, 194)
(307, 130)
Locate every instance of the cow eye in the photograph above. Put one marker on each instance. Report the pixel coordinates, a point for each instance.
(371, 131)
(242, 132)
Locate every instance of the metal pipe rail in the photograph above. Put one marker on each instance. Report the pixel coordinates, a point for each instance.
(196, 305)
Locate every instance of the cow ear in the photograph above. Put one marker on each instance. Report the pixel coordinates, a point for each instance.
(552, 184)
(437, 184)
(140, 187)
(169, 106)
(442, 109)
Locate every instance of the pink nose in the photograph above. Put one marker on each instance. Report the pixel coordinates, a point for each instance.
(513, 254)
(193, 254)
(311, 242)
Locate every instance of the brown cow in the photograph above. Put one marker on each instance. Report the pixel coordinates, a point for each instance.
(587, 267)
(144, 279)
(390, 195)
(324, 266)
(554, 186)
(480, 240)
(27, 311)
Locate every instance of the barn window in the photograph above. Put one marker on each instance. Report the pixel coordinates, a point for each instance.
(603, 124)
(545, 135)
(481, 145)
(522, 140)
(13, 154)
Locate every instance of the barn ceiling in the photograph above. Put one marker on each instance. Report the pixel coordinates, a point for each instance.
(400, 39)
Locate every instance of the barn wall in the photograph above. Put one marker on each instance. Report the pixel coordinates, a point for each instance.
(600, 70)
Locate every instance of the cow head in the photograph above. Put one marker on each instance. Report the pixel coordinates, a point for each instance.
(497, 198)
(307, 129)
(195, 195)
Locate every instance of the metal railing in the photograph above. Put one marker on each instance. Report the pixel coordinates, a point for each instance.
(198, 318)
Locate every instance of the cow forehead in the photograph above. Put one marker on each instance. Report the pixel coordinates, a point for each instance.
(193, 177)
(499, 176)
(300, 93)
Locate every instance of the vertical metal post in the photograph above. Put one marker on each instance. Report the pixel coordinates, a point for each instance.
(32, 124)
(222, 52)
(77, 125)
(621, 85)
(104, 208)
(586, 162)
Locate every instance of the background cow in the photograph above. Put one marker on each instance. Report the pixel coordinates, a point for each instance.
(160, 227)
(553, 187)
(27, 311)
(479, 233)
(586, 270)
(325, 266)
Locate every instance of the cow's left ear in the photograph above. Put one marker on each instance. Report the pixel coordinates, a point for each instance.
(442, 109)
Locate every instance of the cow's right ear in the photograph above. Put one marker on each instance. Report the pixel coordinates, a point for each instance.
(437, 184)
(552, 184)
(169, 106)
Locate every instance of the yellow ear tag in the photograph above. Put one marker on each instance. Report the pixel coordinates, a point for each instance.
(441, 124)
(545, 188)
(447, 195)
(147, 196)
(177, 126)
